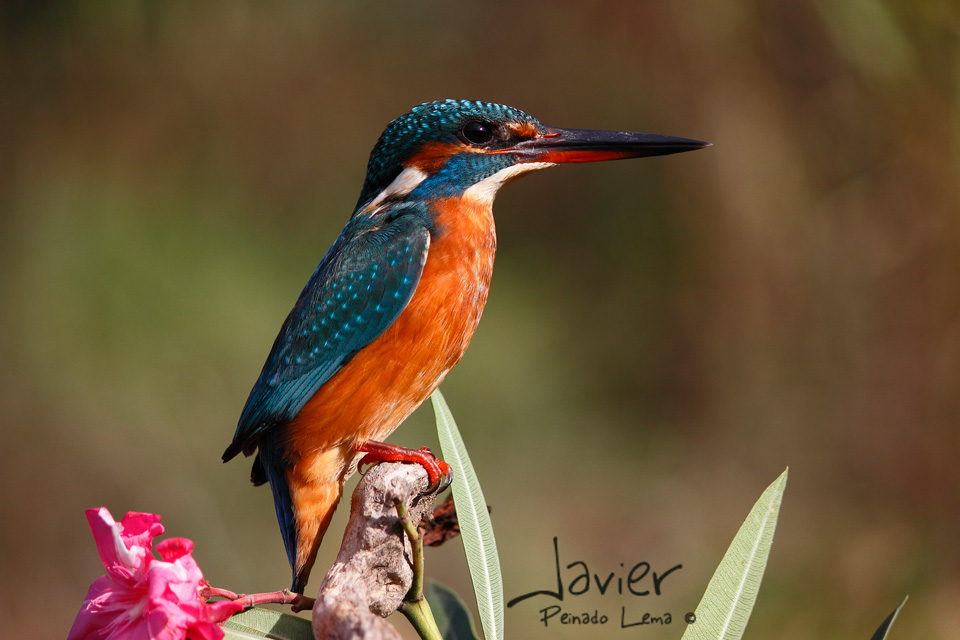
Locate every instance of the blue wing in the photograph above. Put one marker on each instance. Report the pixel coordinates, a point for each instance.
(359, 288)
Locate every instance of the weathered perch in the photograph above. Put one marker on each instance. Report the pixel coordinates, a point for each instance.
(374, 569)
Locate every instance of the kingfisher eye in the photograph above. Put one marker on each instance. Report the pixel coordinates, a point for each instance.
(477, 132)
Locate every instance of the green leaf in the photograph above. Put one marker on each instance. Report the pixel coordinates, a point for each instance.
(450, 612)
(266, 623)
(881, 633)
(726, 605)
(476, 530)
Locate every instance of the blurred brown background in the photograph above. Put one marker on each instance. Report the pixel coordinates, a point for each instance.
(664, 336)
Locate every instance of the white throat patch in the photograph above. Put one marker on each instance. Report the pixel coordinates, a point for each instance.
(485, 190)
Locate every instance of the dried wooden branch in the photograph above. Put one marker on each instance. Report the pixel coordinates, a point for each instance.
(374, 569)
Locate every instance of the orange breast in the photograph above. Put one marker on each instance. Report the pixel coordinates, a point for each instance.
(393, 375)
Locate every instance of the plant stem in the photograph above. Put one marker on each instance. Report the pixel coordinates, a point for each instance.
(298, 601)
(416, 585)
(421, 617)
(415, 607)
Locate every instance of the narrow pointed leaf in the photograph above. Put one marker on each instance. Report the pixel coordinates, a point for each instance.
(266, 623)
(881, 633)
(450, 612)
(726, 605)
(476, 530)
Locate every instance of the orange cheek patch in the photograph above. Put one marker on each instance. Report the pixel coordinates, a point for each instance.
(524, 130)
(432, 155)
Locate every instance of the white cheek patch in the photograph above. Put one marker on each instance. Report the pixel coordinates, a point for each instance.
(408, 180)
(485, 190)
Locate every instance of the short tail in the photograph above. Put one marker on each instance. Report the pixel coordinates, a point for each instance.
(314, 512)
(304, 507)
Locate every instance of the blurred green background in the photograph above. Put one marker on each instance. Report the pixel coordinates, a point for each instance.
(663, 337)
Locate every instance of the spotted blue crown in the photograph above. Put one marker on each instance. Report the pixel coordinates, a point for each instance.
(438, 121)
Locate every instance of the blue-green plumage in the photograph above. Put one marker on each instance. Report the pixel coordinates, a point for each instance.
(431, 155)
(367, 276)
(357, 291)
(432, 122)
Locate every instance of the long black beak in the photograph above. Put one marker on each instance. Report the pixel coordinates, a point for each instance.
(585, 145)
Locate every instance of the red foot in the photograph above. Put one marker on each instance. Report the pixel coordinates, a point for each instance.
(383, 452)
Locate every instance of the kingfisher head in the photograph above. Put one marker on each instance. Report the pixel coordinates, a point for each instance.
(466, 148)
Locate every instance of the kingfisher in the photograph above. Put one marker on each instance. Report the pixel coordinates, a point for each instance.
(394, 302)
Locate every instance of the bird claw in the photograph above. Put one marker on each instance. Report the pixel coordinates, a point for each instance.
(443, 482)
(438, 471)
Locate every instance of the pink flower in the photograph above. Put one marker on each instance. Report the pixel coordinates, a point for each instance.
(142, 597)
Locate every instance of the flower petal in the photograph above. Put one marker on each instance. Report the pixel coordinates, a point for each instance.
(173, 548)
(125, 547)
(144, 597)
(139, 529)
